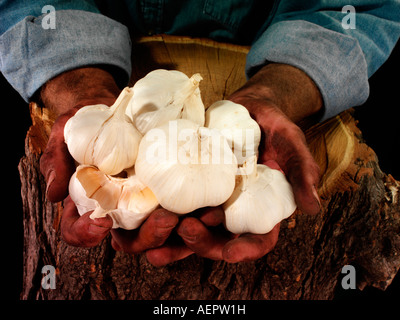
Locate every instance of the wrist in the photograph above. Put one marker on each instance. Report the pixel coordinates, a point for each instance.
(287, 88)
(82, 86)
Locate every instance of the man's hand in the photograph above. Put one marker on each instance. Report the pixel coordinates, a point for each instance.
(64, 95)
(279, 97)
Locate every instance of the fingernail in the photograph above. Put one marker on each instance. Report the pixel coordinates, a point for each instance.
(188, 233)
(316, 196)
(50, 179)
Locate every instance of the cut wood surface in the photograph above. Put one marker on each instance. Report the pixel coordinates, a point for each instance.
(359, 223)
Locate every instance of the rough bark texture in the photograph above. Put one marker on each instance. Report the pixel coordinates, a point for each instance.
(359, 223)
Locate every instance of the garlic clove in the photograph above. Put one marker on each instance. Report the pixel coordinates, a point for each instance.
(124, 218)
(98, 186)
(104, 137)
(135, 203)
(164, 95)
(262, 198)
(78, 195)
(126, 200)
(81, 130)
(234, 121)
(186, 166)
(92, 190)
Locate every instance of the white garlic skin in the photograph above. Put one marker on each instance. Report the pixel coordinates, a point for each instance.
(78, 195)
(103, 136)
(261, 199)
(135, 203)
(185, 167)
(164, 95)
(234, 121)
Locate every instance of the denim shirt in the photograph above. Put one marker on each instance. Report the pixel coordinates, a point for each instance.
(310, 35)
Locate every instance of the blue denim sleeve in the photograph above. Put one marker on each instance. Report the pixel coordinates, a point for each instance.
(310, 36)
(30, 55)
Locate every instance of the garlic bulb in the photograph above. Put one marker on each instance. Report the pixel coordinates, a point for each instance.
(126, 200)
(164, 95)
(104, 136)
(261, 199)
(186, 166)
(235, 123)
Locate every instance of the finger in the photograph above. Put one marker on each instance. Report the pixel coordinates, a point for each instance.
(167, 254)
(82, 231)
(299, 166)
(250, 247)
(56, 164)
(151, 234)
(201, 239)
(211, 216)
(273, 165)
(114, 243)
(303, 174)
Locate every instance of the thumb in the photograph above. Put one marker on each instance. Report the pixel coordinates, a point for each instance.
(303, 174)
(56, 164)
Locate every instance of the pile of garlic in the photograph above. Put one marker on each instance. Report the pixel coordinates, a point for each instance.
(157, 145)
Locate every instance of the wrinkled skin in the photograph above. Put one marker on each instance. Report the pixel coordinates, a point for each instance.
(277, 97)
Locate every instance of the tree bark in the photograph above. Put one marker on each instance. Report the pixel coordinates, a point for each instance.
(359, 223)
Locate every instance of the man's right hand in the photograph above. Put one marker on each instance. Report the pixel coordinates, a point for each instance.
(64, 95)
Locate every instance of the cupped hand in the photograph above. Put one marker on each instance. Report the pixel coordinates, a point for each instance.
(283, 146)
(57, 167)
(64, 95)
(279, 97)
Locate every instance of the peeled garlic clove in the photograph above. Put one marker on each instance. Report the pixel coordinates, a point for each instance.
(261, 199)
(235, 123)
(135, 204)
(98, 186)
(186, 166)
(90, 189)
(164, 95)
(91, 200)
(104, 137)
(126, 200)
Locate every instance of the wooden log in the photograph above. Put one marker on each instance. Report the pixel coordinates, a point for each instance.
(359, 223)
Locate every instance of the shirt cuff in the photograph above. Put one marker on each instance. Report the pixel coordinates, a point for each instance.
(333, 60)
(31, 55)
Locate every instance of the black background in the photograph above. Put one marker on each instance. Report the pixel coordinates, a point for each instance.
(378, 120)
